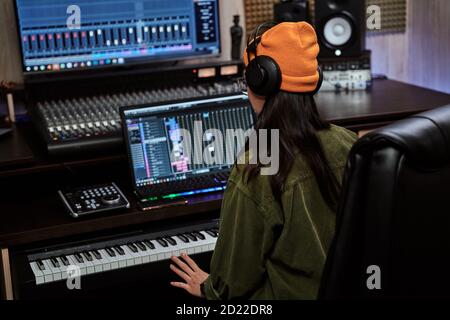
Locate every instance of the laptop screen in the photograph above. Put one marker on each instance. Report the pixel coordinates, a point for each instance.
(177, 141)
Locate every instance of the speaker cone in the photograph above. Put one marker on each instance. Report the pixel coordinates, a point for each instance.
(338, 31)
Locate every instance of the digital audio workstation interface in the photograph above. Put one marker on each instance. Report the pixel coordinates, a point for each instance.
(157, 145)
(114, 32)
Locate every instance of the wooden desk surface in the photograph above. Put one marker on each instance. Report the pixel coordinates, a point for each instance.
(387, 101)
(30, 210)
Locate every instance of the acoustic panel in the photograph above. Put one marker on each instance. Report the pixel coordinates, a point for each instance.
(393, 13)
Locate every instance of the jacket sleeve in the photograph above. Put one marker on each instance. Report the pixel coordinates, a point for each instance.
(245, 239)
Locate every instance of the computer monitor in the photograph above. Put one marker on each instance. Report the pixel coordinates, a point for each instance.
(63, 35)
(155, 145)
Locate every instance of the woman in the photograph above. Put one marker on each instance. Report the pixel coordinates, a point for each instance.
(275, 231)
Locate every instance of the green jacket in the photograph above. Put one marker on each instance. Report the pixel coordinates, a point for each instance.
(268, 251)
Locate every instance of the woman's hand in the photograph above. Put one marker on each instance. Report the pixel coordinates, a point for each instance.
(189, 272)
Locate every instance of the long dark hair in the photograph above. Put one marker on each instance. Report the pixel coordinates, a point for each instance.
(296, 117)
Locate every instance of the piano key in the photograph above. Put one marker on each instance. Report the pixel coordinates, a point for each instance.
(97, 254)
(78, 257)
(108, 262)
(130, 256)
(171, 241)
(56, 272)
(119, 250)
(183, 238)
(212, 233)
(88, 263)
(54, 262)
(190, 236)
(63, 268)
(162, 242)
(74, 261)
(141, 246)
(48, 276)
(97, 263)
(199, 235)
(64, 260)
(38, 274)
(87, 255)
(149, 244)
(110, 252)
(132, 247)
(40, 265)
(121, 257)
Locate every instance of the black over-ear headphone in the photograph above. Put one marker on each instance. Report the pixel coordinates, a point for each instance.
(263, 74)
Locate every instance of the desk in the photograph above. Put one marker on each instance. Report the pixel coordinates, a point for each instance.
(32, 213)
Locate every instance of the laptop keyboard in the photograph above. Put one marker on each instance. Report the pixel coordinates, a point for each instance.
(193, 183)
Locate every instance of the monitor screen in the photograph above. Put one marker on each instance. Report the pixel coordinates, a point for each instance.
(57, 35)
(155, 145)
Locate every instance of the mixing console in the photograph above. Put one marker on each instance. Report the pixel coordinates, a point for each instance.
(93, 122)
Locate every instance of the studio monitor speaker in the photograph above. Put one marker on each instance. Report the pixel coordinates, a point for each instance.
(340, 26)
(291, 11)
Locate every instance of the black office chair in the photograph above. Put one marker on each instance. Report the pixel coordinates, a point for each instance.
(394, 214)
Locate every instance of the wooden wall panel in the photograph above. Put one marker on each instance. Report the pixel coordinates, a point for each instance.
(10, 65)
(420, 56)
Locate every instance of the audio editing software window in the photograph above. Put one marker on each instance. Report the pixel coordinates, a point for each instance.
(157, 144)
(114, 32)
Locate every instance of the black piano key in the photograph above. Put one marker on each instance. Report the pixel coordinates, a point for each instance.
(183, 238)
(97, 254)
(190, 236)
(87, 255)
(162, 242)
(141, 246)
(110, 251)
(171, 240)
(64, 260)
(55, 262)
(199, 235)
(132, 247)
(119, 250)
(149, 244)
(79, 258)
(40, 264)
(211, 233)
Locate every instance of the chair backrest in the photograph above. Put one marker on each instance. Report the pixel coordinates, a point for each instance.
(393, 223)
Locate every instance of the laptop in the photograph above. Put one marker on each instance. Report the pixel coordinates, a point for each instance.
(182, 149)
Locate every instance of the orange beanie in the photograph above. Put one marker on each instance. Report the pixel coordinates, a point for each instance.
(294, 46)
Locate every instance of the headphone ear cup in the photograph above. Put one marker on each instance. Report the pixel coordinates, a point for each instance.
(319, 84)
(263, 76)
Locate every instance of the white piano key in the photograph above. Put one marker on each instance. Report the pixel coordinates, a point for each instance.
(130, 256)
(121, 259)
(106, 262)
(47, 272)
(74, 261)
(89, 265)
(56, 272)
(143, 255)
(63, 269)
(98, 264)
(113, 261)
(38, 274)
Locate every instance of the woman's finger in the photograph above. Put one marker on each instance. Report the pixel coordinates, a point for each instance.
(182, 274)
(181, 285)
(190, 262)
(183, 266)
